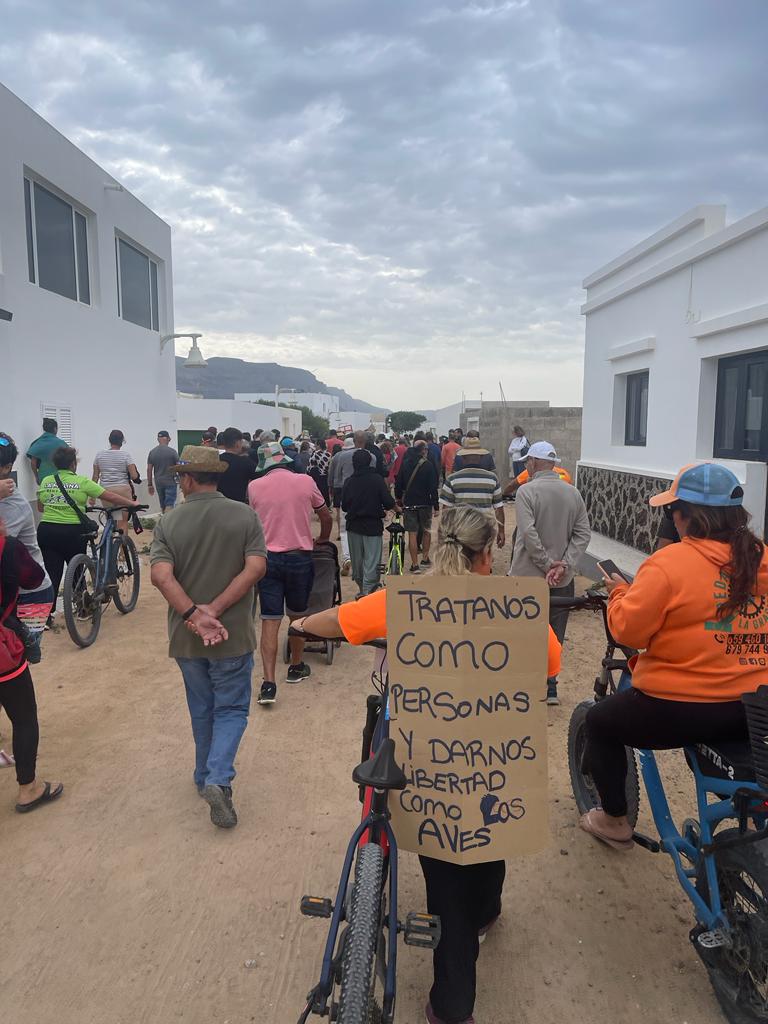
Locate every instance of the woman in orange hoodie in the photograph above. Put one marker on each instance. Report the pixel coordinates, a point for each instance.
(698, 611)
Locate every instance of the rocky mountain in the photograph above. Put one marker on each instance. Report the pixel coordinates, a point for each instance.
(223, 377)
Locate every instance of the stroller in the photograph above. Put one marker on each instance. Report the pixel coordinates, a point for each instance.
(326, 592)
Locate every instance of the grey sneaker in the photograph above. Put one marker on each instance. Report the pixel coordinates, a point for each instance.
(219, 798)
(298, 672)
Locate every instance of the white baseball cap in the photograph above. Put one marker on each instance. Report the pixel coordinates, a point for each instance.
(542, 450)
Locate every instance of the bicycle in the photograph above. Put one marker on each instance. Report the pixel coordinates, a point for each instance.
(396, 560)
(109, 572)
(723, 873)
(358, 979)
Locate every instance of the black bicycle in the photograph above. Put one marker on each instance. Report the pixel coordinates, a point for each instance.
(110, 571)
(358, 980)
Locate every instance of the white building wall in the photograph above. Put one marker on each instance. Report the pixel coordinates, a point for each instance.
(199, 413)
(58, 352)
(674, 310)
(357, 421)
(319, 403)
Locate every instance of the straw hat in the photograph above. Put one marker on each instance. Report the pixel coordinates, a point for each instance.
(198, 459)
(472, 446)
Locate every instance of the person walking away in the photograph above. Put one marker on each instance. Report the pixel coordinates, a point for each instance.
(33, 606)
(284, 502)
(365, 500)
(63, 499)
(416, 494)
(448, 455)
(487, 461)
(522, 478)
(518, 449)
(40, 452)
(466, 898)
(233, 483)
(553, 532)
(377, 455)
(159, 476)
(435, 452)
(207, 556)
(303, 457)
(17, 692)
(338, 474)
(692, 610)
(115, 470)
(319, 464)
(475, 487)
(400, 448)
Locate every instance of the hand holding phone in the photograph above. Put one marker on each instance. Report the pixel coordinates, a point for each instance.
(609, 569)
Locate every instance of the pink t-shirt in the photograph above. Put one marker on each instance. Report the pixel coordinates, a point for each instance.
(284, 502)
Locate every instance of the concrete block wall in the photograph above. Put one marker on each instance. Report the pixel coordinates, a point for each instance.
(560, 426)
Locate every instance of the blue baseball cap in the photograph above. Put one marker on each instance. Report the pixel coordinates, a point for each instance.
(704, 483)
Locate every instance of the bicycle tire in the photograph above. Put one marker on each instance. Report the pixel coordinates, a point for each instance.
(358, 970)
(127, 546)
(77, 603)
(581, 782)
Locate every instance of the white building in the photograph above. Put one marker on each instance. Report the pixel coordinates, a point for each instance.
(196, 414)
(318, 402)
(349, 421)
(85, 272)
(675, 369)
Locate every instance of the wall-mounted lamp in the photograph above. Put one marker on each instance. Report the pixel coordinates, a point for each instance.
(113, 186)
(6, 314)
(195, 357)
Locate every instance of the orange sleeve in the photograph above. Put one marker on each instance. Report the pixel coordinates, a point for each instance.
(553, 655)
(637, 612)
(565, 475)
(365, 619)
(523, 478)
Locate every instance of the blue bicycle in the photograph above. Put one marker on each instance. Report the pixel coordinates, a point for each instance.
(722, 871)
(110, 571)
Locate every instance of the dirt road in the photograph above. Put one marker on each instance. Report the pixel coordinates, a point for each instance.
(123, 905)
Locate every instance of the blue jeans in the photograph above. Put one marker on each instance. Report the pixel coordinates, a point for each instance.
(166, 495)
(219, 698)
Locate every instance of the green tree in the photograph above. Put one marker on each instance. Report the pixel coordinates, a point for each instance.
(405, 421)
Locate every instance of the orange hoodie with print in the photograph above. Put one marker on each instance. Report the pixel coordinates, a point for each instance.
(670, 613)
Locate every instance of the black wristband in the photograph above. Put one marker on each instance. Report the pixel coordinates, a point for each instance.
(189, 613)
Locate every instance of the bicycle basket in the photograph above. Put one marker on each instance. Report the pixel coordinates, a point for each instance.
(756, 708)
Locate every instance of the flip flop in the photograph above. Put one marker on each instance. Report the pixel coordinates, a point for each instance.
(585, 822)
(46, 797)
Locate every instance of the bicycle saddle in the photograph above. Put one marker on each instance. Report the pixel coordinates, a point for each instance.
(381, 771)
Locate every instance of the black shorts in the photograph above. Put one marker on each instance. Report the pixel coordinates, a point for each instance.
(337, 496)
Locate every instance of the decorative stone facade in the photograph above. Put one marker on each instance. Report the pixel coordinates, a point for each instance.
(618, 507)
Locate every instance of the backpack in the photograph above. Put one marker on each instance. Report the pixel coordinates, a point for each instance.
(11, 647)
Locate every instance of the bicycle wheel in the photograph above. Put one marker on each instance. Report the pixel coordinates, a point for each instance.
(581, 781)
(357, 1000)
(127, 575)
(82, 608)
(739, 972)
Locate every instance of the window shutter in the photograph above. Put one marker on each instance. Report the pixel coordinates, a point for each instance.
(63, 416)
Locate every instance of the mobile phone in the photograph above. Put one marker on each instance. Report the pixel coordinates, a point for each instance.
(609, 569)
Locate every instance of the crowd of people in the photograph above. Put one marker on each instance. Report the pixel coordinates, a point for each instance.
(241, 544)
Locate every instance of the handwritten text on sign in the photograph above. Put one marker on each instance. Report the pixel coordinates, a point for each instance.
(467, 676)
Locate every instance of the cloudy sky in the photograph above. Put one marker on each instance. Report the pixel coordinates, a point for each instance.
(403, 196)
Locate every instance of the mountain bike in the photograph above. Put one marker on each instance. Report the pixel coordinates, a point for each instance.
(396, 560)
(358, 979)
(110, 571)
(722, 871)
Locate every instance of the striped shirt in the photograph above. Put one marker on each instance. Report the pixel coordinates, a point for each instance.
(113, 466)
(478, 488)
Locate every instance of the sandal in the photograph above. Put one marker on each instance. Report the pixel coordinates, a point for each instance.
(585, 822)
(46, 797)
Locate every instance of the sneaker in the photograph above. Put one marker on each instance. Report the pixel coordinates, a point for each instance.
(415, 568)
(426, 563)
(552, 699)
(267, 693)
(482, 935)
(219, 799)
(298, 672)
(346, 567)
(432, 1017)
(33, 652)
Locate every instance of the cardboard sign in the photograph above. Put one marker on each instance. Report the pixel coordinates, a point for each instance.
(467, 680)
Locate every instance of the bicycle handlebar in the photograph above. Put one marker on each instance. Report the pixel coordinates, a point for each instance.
(380, 643)
(585, 601)
(117, 508)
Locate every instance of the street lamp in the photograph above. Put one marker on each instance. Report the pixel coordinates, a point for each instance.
(195, 358)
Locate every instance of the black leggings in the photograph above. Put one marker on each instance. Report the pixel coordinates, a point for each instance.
(59, 543)
(17, 697)
(465, 897)
(633, 719)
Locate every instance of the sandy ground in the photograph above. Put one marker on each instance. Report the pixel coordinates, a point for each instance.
(122, 904)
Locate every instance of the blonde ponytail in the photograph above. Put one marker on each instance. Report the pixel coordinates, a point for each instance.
(463, 534)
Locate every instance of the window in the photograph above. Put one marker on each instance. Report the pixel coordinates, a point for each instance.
(636, 419)
(136, 286)
(63, 416)
(741, 412)
(57, 243)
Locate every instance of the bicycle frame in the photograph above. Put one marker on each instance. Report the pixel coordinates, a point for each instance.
(101, 553)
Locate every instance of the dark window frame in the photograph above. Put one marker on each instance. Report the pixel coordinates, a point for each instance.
(80, 247)
(742, 364)
(635, 423)
(153, 276)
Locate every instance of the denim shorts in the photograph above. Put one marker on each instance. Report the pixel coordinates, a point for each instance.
(287, 584)
(166, 495)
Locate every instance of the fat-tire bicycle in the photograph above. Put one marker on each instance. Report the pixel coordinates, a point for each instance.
(722, 871)
(358, 978)
(109, 571)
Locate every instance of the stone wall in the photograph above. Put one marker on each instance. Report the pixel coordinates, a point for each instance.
(617, 504)
(560, 426)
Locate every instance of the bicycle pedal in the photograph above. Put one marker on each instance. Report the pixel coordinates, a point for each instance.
(421, 930)
(316, 906)
(714, 939)
(646, 842)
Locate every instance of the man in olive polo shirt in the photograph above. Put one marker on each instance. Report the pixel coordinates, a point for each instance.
(207, 556)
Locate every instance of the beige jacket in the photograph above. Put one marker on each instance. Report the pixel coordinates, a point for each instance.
(552, 526)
